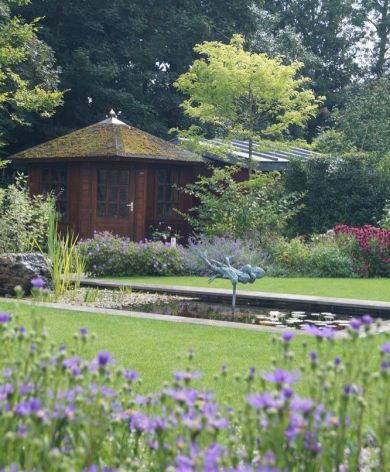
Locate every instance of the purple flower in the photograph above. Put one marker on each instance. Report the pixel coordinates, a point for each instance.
(303, 405)
(367, 320)
(71, 362)
(319, 333)
(263, 400)
(313, 357)
(4, 318)
(350, 389)
(281, 376)
(337, 360)
(130, 374)
(386, 348)
(355, 324)
(186, 376)
(104, 358)
(38, 282)
(83, 331)
(384, 365)
(287, 336)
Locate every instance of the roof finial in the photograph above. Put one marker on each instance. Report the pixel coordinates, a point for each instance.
(112, 114)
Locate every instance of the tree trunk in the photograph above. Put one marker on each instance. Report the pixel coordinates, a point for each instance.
(383, 31)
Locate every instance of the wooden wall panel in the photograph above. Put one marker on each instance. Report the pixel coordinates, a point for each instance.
(140, 201)
(85, 200)
(34, 179)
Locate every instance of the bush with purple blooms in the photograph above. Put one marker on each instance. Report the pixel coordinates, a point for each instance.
(111, 255)
(60, 411)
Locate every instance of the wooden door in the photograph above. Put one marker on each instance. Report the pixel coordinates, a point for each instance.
(113, 197)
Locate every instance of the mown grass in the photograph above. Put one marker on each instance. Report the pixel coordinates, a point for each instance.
(157, 348)
(362, 289)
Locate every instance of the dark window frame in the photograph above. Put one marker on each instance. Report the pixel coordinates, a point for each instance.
(112, 194)
(167, 193)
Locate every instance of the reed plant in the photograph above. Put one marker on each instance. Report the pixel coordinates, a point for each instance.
(66, 263)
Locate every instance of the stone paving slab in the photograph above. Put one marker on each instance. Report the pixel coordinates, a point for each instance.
(269, 299)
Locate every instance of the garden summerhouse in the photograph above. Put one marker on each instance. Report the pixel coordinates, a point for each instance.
(111, 176)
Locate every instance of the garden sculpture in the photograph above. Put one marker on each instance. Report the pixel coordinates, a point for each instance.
(246, 274)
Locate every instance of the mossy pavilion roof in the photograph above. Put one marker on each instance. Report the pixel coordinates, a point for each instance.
(108, 138)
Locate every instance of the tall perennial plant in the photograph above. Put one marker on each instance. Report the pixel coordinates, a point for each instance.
(62, 411)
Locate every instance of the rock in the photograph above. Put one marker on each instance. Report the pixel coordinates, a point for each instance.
(20, 269)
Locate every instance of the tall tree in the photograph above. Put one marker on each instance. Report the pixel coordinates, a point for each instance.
(327, 28)
(375, 21)
(365, 118)
(245, 94)
(28, 79)
(126, 55)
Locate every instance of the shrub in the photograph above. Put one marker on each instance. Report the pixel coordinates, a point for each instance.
(243, 252)
(62, 411)
(370, 249)
(322, 256)
(109, 255)
(24, 219)
(349, 190)
(251, 208)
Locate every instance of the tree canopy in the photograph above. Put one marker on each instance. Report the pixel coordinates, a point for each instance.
(28, 80)
(243, 93)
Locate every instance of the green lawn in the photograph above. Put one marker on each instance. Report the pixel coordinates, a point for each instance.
(152, 347)
(365, 289)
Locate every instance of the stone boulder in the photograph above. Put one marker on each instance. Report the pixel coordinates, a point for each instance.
(20, 269)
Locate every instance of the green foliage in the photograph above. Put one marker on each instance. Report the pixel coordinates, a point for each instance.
(321, 256)
(24, 220)
(374, 18)
(338, 190)
(245, 93)
(321, 406)
(331, 141)
(385, 220)
(27, 83)
(107, 255)
(254, 208)
(328, 29)
(65, 261)
(365, 117)
(126, 55)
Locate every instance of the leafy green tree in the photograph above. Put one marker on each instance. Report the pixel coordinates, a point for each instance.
(365, 118)
(328, 29)
(251, 209)
(245, 94)
(27, 80)
(375, 22)
(125, 55)
(348, 190)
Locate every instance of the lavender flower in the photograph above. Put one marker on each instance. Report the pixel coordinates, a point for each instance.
(367, 320)
(355, 324)
(38, 283)
(104, 358)
(386, 348)
(4, 318)
(280, 376)
(319, 333)
(287, 336)
(83, 331)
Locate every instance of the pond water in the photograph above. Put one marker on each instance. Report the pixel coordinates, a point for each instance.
(245, 314)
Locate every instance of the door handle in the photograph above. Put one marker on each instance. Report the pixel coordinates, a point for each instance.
(131, 206)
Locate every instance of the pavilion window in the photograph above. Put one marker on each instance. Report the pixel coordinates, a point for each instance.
(167, 193)
(112, 193)
(55, 181)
